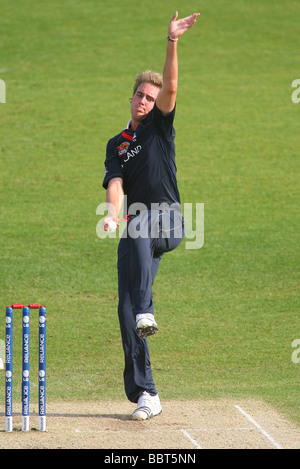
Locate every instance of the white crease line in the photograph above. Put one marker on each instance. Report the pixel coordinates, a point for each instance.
(77, 430)
(191, 439)
(259, 427)
(217, 429)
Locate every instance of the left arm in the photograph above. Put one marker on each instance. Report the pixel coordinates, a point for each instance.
(167, 96)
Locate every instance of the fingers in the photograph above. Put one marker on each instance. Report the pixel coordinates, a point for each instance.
(177, 28)
(192, 17)
(106, 221)
(187, 22)
(190, 20)
(175, 16)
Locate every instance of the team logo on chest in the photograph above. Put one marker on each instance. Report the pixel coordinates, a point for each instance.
(122, 149)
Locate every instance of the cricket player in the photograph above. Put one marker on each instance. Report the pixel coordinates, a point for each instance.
(140, 162)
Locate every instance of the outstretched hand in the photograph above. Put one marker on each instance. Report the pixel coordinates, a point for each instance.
(179, 27)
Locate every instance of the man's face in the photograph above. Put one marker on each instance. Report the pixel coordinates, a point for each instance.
(143, 101)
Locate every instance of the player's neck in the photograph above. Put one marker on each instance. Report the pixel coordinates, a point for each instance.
(133, 125)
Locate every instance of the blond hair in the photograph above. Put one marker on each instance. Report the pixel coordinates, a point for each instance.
(148, 76)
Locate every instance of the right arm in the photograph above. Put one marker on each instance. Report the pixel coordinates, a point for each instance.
(114, 200)
(166, 98)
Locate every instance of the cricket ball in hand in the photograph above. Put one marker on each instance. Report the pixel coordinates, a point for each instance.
(111, 226)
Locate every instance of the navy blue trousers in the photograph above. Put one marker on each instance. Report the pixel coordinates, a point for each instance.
(147, 237)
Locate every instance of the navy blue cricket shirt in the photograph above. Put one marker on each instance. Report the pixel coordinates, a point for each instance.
(145, 160)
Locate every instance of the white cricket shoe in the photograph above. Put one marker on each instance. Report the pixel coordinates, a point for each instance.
(145, 325)
(148, 406)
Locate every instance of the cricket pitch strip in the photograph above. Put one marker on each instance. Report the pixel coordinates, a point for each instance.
(189, 425)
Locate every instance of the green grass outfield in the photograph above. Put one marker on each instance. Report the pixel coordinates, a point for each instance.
(233, 304)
